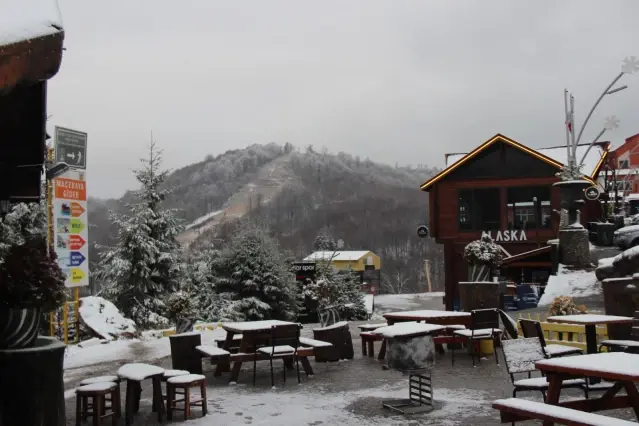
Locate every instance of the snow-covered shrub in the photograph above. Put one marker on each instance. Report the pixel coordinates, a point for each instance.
(336, 289)
(30, 276)
(180, 305)
(484, 252)
(564, 305)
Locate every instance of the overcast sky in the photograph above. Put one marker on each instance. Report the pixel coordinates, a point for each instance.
(396, 80)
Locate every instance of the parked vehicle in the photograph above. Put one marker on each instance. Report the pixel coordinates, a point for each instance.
(626, 237)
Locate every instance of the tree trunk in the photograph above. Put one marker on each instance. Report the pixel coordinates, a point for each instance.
(32, 385)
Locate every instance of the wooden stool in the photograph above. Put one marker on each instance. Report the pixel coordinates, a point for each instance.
(186, 383)
(368, 339)
(173, 373)
(97, 392)
(100, 379)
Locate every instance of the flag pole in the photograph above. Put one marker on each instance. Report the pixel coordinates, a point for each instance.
(567, 125)
(572, 126)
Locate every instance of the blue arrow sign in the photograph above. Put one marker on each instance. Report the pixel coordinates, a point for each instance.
(76, 258)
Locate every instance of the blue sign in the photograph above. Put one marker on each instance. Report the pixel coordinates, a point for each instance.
(509, 303)
(527, 297)
(76, 258)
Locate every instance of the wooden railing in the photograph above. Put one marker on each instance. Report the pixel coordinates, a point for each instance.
(565, 334)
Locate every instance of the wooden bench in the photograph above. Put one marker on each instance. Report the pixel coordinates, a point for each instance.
(214, 353)
(236, 340)
(552, 413)
(302, 352)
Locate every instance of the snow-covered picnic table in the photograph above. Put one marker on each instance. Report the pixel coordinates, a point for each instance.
(254, 334)
(407, 329)
(618, 367)
(437, 317)
(134, 374)
(590, 321)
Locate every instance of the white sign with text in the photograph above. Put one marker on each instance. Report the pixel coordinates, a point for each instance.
(509, 235)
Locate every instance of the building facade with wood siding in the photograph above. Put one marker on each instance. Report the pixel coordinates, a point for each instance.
(503, 188)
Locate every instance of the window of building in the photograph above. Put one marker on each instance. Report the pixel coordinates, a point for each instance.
(529, 207)
(479, 209)
(623, 164)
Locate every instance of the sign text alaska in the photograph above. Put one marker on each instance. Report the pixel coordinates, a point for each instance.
(509, 235)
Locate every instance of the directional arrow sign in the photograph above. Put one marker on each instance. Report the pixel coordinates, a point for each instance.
(76, 258)
(77, 209)
(76, 242)
(77, 226)
(76, 275)
(71, 147)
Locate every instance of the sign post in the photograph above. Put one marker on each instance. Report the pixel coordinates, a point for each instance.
(69, 220)
(71, 147)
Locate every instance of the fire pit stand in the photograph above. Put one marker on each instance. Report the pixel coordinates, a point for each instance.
(411, 351)
(420, 394)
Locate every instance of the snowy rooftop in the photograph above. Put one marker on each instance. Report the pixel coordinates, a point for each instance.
(557, 153)
(24, 20)
(336, 256)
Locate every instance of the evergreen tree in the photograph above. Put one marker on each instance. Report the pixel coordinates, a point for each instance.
(256, 273)
(338, 289)
(325, 241)
(145, 266)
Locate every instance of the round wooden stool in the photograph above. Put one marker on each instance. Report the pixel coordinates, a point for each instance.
(97, 392)
(173, 373)
(185, 383)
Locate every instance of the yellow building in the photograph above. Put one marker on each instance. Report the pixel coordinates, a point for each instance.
(358, 261)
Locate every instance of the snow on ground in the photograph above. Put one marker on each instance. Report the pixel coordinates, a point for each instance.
(403, 302)
(124, 350)
(104, 318)
(573, 283)
(22, 20)
(200, 220)
(320, 406)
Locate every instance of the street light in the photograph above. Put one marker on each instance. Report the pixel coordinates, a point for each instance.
(630, 65)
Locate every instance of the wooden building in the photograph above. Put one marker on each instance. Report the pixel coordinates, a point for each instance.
(364, 263)
(502, 188)
(30, 54)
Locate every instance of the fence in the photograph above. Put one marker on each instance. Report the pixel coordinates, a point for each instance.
(565, 334)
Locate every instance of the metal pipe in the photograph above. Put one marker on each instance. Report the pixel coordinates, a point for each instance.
(566, 124)
(605, 92)
(572, 134)
(591, 145)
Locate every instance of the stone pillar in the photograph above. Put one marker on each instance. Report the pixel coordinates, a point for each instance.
(575, 246)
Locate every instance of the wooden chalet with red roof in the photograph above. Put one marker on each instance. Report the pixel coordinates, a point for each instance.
(503, 188)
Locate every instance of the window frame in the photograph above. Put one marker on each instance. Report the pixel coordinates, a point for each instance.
(474, 226)
(536, 213)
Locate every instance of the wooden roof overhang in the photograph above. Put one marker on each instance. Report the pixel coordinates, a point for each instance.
(426, 186)
(25, 67)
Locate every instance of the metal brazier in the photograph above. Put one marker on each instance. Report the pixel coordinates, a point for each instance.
(411, 353)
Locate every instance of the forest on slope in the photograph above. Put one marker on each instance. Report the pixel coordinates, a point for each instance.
(370, 206)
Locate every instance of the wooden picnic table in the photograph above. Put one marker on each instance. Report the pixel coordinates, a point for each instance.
(618, 367)
(590, 321)
(255, 334)
(428, 316)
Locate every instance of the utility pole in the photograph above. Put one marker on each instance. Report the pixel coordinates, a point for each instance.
(427, 271)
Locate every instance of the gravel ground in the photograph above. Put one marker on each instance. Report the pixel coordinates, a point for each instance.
(344, 393)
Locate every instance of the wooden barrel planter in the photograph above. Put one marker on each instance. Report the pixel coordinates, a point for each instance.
(184, 355)
(340, 336)
(32, 384)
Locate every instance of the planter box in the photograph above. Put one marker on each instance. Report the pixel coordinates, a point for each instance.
(619, 301)
(479, 295)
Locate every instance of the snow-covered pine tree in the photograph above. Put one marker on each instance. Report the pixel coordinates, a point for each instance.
(325, 241)
(256, 272)
(145, 266)
(339, 289)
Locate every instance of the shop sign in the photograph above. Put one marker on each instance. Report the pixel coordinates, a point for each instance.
(509, 235)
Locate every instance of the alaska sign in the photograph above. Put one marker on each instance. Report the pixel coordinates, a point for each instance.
(509, 235)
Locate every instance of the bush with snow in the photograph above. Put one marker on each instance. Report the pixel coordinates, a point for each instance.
(104, 319)
(336, 289)
(484, 252)
(564, 305)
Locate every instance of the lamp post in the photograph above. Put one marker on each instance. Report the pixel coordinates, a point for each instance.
(572, 183)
